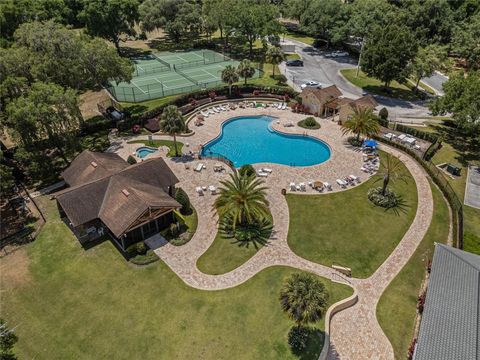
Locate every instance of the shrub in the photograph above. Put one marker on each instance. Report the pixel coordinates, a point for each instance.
(298, 338)
(257, 231)
(182, 197)
(173, 230)
(131, 160)
(352, 140)
(383, 113)
(141, 248)
(387, 201)
(247, 170)
(309, 123)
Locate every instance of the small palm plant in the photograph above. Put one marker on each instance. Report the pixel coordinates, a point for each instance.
(242, 199)
(246, 70)
(391, 170)
(172, 123)
(303, 298)
(274, 56)
(362, 122)
(229, 76)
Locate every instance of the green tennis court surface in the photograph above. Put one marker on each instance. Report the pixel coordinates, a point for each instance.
(163, 74)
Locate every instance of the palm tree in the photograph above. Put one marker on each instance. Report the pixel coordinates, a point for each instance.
(391, 169)
(245, 69)
(229, 76)
(274, 56)
(242, 199)
(304, 298)
(172, 123)
(362, 122)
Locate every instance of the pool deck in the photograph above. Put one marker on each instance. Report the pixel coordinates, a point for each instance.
(344, 159)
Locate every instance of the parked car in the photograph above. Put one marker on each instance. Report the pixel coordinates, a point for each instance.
(310, 84)
(337, 53)
(296, 62)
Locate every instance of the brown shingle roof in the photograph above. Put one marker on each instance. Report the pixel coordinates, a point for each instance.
(119, 199)
(89, 166)
(367, 101)
(325, 94)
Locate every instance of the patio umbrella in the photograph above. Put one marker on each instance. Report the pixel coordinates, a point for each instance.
(317, 184)
(370, 143)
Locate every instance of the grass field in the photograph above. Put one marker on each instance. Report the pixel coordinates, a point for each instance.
(374, 86)
(396, 309)
(158, 143)
(346, 229)
(70, 303)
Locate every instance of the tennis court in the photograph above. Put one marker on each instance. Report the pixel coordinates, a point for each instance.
(169, 73)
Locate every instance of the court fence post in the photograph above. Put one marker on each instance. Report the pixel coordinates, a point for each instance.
(161, 86)
(133, 94)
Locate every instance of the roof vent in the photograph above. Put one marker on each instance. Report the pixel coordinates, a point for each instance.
(94, 164)
(125, 192)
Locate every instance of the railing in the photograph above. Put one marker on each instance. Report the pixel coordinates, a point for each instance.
(438, 178)
(219, 157)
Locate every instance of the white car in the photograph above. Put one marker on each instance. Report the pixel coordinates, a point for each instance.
(310, 84)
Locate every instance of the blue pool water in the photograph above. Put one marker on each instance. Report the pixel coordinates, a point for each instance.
(250, 140)
(144, 151)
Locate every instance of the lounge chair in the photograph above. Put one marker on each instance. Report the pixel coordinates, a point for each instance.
(223, 108)
(293, 187)
(211, 111)
(289, 124)
(284, 106)
(354, 178)
(327, 186)
(199, 190)
(261, 173)
(267, 170)
(302, 186)
(212, 189)
(199, 167)
(342, 183)
(206, 114)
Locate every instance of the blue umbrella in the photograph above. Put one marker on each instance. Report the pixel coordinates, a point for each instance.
(370, 143)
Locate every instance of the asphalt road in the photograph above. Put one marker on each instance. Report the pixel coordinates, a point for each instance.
(326, 71)
(436, 82)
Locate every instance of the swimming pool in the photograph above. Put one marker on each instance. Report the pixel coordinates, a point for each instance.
(251, 140)
(144, 151)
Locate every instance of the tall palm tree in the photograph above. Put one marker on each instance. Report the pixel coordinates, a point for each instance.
(243, 199)
(245, 69)
(362, 122)
(229, 76)
(391, 170)
(274, 56)
(172, 123)
(304, 298)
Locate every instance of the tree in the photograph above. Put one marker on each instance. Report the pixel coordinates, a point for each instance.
(461, 99)
(388, 52)
(246, 170)
(222, 14)
(274, 56)
(362, 122)
(229, 76)
(243, 199)
(325, 19)
(391, 170)
(6, 175)
(172, 123)
(47, 112)
(303, 298)
(50, 52)
(294, 9)
(182, 197)
(426, 62)
(465, 41)
(246, 70)
(7, 341)
(110, 19)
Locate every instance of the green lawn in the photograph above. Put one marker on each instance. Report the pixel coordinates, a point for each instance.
(299, 37)
(158, 143)
(396, 309)
(346, 229)
(374, 86)
(72, 303)
(136, 109)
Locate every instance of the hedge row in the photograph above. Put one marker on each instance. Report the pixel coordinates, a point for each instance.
(417, 133)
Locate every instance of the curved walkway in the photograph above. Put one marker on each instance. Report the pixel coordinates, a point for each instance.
(355, 332)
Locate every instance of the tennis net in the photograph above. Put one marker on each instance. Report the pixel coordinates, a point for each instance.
(162, 61)
(185, 75)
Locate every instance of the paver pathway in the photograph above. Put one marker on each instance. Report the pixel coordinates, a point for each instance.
(355, 332)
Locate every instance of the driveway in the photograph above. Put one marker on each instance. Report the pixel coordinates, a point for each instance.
(436, 82)
(326, 71)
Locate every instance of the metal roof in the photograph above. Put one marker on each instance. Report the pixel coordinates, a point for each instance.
(450, 323)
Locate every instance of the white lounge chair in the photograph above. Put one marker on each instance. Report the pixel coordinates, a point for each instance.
(261, 173)
(293, 187)
(342, 183)
(223, 108)
(267, 170)
(354, 178)
(401, 137)
(217, 110)
(212, 189)
(199, 167)
(206, 114)
(302, 186)
(199, 190)
(211, 111)
(327, 186)
(284, 106)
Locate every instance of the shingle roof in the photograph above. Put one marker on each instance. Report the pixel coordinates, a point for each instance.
(450, 322)
(119, 198)
(325, 94)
